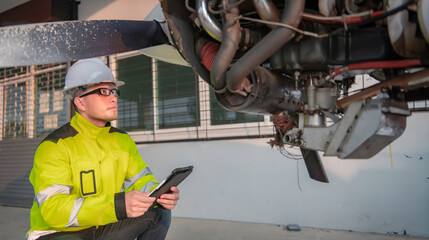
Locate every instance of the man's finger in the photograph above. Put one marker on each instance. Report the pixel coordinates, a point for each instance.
(143, 198)
(174, 195)
(174, 190)
(168, 204)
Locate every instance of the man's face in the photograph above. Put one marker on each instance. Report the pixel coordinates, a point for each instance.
(97, 108)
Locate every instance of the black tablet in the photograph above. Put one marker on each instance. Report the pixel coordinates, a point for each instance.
(176, 177)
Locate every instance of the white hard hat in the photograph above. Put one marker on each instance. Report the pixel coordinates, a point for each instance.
(88, 72)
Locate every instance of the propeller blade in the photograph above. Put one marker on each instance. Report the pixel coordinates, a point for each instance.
(314, 165)
(53, 42)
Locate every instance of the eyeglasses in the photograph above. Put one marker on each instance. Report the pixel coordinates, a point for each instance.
(103, 92)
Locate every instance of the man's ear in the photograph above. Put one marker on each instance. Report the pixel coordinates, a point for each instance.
(79, 103)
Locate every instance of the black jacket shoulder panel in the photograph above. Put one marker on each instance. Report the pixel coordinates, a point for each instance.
(113, 129)
(61, 133)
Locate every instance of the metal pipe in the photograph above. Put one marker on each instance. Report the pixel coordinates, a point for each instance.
(267, 10)
(225, 55)
(271, 43)
(408, 82)
(209, 23)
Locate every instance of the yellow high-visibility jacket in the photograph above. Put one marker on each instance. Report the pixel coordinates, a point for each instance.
(80, 175)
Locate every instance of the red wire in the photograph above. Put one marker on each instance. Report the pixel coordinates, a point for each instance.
(377, 65)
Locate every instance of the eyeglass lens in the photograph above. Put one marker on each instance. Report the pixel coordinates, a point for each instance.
(103, 92)
(106, 92)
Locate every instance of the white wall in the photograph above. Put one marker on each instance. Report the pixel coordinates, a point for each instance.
(246, 180)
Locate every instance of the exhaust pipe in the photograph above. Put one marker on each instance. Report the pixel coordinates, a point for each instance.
(209, 23)
(236, 76)
(227, 50)
(235, 80)
(267, 11)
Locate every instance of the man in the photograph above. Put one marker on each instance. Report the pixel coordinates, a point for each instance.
(88, 177)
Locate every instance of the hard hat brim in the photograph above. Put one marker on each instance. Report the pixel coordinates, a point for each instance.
(117, 84)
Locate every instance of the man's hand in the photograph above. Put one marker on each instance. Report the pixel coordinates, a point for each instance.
(169, 200)
(137, 203)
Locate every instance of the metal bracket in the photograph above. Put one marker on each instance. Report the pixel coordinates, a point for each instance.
(344, 125)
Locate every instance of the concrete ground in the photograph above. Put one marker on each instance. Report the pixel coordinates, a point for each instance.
(14, 223)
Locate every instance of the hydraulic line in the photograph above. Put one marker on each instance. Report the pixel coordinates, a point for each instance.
(376, 65)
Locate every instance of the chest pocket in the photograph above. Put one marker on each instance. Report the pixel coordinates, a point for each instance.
(88, 185)
(88, 175)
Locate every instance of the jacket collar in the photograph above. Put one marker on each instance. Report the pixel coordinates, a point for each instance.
(83, 126)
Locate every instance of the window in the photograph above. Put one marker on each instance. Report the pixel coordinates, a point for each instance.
(172, 104)
(51, 105)
(135, 106)
(177, 96)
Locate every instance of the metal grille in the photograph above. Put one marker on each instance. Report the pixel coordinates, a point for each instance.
(33, 103)
(51, 105)
(13, 72)
(15, 108)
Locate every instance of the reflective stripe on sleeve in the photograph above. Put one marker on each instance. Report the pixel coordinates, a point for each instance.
(38, 233)
(75, 210)
(46, 193)
(148, 186)
(130, 181)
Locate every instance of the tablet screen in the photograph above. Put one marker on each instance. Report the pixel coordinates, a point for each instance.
(174, 179)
